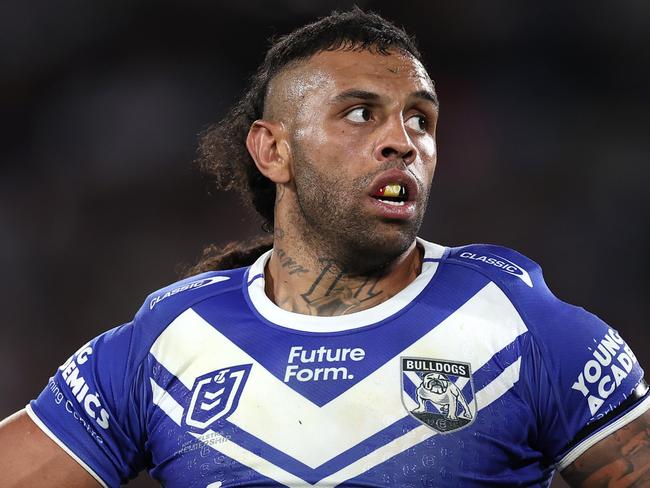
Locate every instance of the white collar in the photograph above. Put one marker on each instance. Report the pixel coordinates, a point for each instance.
(313, 323)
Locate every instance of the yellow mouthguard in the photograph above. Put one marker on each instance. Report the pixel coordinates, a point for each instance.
(392, 190)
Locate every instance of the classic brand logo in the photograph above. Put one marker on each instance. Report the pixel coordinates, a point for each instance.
(215, 395)
(189, 286)
(432, 392)
(502, 263)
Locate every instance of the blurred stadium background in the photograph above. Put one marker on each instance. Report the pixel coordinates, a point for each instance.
(543, 147)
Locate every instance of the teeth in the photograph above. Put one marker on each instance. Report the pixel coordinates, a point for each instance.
(392, 190)
(391, 202)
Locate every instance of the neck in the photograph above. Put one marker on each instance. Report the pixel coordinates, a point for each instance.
(302, 281)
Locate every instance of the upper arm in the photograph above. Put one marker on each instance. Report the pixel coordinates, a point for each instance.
(620, 460)
(28, 457)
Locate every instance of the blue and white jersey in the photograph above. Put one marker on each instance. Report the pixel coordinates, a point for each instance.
(473, 375)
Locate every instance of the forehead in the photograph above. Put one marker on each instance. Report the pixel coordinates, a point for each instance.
(330, 72)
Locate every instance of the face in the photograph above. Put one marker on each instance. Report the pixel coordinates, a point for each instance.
(363, 150)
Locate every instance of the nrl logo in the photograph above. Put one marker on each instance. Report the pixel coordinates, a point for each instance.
(216, 395)
(435, 392)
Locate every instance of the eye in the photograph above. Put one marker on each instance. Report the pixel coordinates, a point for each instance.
(417, 122)
(359, 114)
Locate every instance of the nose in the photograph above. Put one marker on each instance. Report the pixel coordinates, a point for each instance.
(395, 143)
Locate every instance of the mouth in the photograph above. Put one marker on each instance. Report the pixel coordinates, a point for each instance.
(393, 195)
(394, 187)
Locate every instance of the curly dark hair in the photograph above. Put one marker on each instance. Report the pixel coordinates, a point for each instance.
(222, 153)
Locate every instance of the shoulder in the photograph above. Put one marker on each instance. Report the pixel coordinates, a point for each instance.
(165, 304)
(575, 368)
(161, 308)
(120, 352)
(193, 289)
(501, 264)
(522, 282)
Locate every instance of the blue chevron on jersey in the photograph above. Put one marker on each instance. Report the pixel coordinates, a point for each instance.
(475, 363)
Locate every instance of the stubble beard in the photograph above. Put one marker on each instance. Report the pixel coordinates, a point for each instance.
(334, 226)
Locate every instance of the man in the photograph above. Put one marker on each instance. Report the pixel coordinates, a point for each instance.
(353, 353)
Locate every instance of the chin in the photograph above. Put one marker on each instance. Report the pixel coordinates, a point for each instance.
(376, 250)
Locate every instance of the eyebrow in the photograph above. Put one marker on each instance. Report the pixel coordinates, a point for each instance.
(355, 94)
(427, 95)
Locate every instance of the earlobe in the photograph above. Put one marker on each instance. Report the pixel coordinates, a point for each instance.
(267, 145)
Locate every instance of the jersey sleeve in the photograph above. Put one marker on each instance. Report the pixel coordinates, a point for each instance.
(97, 404)
(588, 382)
(583, 380)
(91, 407)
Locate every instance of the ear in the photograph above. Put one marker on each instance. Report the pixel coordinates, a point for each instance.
(267, 144)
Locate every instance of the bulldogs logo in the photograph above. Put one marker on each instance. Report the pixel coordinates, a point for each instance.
(433, 392)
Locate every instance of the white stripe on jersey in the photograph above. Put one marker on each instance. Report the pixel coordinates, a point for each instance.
(166, 402)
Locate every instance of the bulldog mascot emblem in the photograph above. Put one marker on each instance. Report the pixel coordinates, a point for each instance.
(436, 393)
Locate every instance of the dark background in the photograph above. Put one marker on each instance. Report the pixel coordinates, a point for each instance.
(543, 147)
